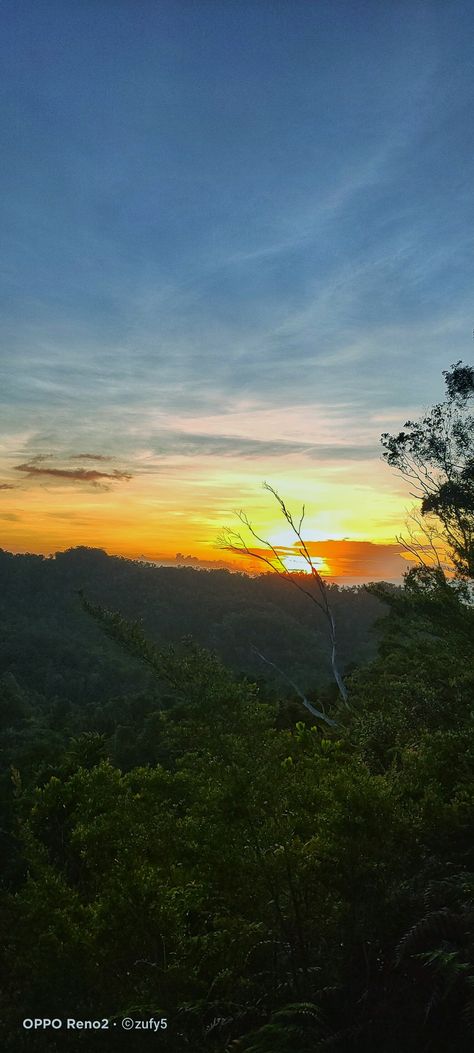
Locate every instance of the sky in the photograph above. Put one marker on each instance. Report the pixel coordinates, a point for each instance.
(237, 246)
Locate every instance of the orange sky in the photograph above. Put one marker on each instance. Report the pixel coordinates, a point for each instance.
(138, 507)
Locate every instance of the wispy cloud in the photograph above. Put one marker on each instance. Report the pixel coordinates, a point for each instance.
(36, 468)
(212, 445)
(92, 457)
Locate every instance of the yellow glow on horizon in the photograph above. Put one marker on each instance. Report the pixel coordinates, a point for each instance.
(300, 564)
(183, 506)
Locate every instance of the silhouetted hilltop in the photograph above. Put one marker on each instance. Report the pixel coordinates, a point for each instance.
(53, 647)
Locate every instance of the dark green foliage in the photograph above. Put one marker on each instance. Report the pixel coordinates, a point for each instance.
(53, 648)
(183, 841)
(267, 884)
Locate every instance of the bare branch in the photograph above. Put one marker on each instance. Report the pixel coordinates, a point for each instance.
(234, 542)
(312, 709)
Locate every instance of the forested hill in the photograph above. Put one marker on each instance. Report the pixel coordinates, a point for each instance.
(202, 849)
(51, 646)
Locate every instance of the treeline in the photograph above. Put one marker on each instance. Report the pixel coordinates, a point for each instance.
(52, 648)
(61, 676)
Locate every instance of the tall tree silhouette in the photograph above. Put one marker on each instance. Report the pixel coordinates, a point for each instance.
(436, 454)
(233, 541)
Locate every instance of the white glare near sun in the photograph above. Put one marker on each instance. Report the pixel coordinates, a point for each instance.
(285, 536)
(299, 563)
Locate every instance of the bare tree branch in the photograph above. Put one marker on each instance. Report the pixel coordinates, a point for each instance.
(233, 541)
(312, 709)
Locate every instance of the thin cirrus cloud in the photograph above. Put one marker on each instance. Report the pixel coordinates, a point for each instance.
(92, 457)
(38, 469)
(209, 445)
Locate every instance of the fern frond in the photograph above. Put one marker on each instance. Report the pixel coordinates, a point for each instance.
(436, 926)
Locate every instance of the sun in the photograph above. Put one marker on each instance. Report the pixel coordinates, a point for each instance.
(283, 540)
(300, 564)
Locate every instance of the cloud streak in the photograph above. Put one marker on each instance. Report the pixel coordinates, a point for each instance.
(189, 444)
(92, 457)
(345, 560)
(35, 468)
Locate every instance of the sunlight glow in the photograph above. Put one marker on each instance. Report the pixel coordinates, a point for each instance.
(285, 536)
(299, 563)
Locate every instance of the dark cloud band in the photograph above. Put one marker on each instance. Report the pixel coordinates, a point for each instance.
(80, 475)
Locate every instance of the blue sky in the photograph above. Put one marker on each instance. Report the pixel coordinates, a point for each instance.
(230, 222)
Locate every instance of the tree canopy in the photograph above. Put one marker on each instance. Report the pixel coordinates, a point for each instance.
(436, 453)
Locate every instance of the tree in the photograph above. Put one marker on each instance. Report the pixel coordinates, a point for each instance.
(436, 454)
(233, 541)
